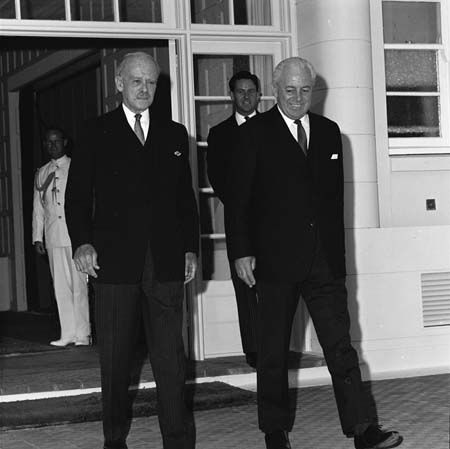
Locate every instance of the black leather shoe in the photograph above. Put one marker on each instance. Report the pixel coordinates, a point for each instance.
(376, 438)
(250, 357)
(277, 440)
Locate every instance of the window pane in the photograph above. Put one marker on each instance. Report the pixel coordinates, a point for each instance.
(252, 12)
(265, 105)
(210, 11)
(215, 265)
(92, 10)
(411, 70)
(411, 22)
(214, 257)
(213, 72)
(249, 12)
(140, 11)
(209, 114)
(7, 10)
(413, 116)
(43, 9)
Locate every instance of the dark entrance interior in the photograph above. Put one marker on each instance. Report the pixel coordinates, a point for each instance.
(65, 97)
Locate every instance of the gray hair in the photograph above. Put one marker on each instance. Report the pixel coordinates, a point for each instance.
(133, 55)
(300, 62)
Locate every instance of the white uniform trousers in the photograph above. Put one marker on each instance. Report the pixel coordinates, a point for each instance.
(71, 294)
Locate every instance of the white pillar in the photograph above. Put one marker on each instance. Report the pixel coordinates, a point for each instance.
(335, 37)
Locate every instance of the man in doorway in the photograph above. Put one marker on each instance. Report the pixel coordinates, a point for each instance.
(245, 92)
(285, 226)
(49, 221)
(133, 220)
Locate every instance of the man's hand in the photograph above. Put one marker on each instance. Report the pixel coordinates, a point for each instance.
(244, 269)
(85, 259)
(190, 267)
(39, 247)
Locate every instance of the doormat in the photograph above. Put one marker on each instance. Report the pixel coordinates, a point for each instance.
(76, 409)
(11, 346)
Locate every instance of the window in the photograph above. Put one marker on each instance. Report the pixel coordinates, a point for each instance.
(149, 11)
(213, 105)
(416, 72)
(231, 12)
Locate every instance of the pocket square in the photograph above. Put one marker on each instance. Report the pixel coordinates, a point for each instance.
(177, 153)
(334, 156)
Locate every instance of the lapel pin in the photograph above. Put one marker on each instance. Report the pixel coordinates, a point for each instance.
(177, 153)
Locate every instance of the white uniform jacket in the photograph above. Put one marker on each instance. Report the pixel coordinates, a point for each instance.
(48, 203)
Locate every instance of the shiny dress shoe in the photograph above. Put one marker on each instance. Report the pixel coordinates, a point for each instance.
(62, 342)
(374, 437)
(277, 440)
(85, 341)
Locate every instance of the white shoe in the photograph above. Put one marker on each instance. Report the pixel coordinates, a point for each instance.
(86, 341)
(62, 342)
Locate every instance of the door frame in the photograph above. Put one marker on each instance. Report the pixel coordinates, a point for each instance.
(14, 83)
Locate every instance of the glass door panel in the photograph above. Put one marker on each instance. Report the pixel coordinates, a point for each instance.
(213, 105)
(213, 65)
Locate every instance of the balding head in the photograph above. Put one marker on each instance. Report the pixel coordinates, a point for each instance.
(136, 79)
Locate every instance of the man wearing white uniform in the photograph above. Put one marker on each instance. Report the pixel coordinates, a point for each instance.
(49, 220)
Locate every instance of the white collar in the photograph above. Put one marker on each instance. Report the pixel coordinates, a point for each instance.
(240, 119)
(61, 160)
(289, 121)
(145, 116)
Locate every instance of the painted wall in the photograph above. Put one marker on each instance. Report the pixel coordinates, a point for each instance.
(384, 263)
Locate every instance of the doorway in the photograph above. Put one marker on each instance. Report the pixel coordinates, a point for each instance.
(72, 81)
(63, 99)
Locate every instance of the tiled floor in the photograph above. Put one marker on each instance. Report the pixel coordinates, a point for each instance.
(417, 407)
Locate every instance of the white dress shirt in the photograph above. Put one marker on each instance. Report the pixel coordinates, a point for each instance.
(145, 119)
(240, 119)
(293, 126)
(48, 206)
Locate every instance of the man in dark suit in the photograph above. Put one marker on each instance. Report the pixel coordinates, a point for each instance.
(245, 93)
(285, 225)
(133, 221)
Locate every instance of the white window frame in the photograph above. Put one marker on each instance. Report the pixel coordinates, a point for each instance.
(279, 14)
(172, 16)
(411, 145)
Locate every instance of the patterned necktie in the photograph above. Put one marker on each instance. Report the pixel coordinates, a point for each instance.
(138, 129)
(301, 136)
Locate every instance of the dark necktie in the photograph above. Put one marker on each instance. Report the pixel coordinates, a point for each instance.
(138, 128)
(246, 117)
(301, 136)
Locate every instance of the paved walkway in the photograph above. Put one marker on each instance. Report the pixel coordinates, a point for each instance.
(418, 407)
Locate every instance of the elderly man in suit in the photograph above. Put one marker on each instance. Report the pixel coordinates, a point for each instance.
(286, 233)
(245, 93)
(133, 221)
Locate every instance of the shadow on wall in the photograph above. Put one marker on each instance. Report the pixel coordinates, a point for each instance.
(319, 106)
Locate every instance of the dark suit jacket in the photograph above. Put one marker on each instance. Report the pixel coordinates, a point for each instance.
(278, 198)
(121, 196)
(221, 139)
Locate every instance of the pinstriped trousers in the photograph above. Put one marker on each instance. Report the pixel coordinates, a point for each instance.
(118, 312)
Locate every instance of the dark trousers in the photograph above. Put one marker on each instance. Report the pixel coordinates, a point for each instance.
(326, 300)
(247, 306)
(119, 309)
